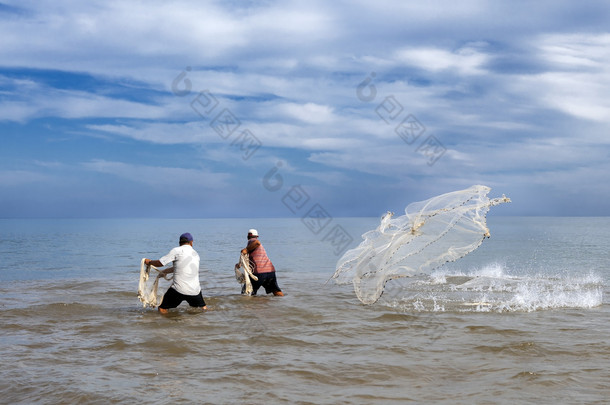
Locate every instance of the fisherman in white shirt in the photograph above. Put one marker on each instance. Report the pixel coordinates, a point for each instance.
(185, 286)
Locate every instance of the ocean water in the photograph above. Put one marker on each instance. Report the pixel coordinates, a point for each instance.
(524, 319)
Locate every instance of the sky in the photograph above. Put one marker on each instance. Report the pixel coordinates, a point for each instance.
(237, 109)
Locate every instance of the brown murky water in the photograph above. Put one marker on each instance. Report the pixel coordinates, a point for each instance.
(79, 335)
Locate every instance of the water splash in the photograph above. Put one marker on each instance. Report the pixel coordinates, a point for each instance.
(491, 288)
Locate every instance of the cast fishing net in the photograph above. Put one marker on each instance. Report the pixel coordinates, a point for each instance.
(147, 288)
(244, 276)
(431, 233)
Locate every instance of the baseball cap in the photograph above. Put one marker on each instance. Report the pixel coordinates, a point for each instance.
(254, 232)
(186, 237)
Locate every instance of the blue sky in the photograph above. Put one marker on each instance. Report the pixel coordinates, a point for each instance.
(191, 109)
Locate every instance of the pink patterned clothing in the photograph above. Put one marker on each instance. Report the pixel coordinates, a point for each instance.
(260, 261)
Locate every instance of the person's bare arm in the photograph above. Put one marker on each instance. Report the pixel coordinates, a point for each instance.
(251, 247)
(155, 263)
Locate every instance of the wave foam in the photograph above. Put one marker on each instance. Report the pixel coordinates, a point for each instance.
(490, 288)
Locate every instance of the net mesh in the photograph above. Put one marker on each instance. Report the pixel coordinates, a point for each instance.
(147, 288)
(244, 276)
(431, 233)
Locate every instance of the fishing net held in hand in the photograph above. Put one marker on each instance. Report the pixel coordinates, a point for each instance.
(244, 276)
(431, 233)
(147, 288)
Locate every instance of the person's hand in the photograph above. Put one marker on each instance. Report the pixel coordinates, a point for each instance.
(244, 251)
(147, 261)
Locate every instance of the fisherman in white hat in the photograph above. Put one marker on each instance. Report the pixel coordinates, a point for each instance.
(262, 267)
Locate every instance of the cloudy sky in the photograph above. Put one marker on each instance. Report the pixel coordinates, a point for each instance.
(267, 108)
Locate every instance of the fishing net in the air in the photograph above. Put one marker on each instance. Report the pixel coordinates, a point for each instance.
(244, 276)
(147, 288)
(431, 233)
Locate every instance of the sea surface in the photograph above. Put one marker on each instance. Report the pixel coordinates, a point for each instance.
(524, 319)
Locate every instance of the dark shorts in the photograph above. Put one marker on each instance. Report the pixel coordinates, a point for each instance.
(173, 298)
(266, 280)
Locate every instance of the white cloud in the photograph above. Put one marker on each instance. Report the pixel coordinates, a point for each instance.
(466, 60)
(289, 71)
(161, 133)
(10, 178)
(19, 111)
(577, 80)
(581, 95)
(29, 99)
(576, 51)
(309, 112)
(126, 39)
(170, 180)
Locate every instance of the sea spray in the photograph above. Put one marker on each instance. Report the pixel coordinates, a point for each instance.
(492, 288)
